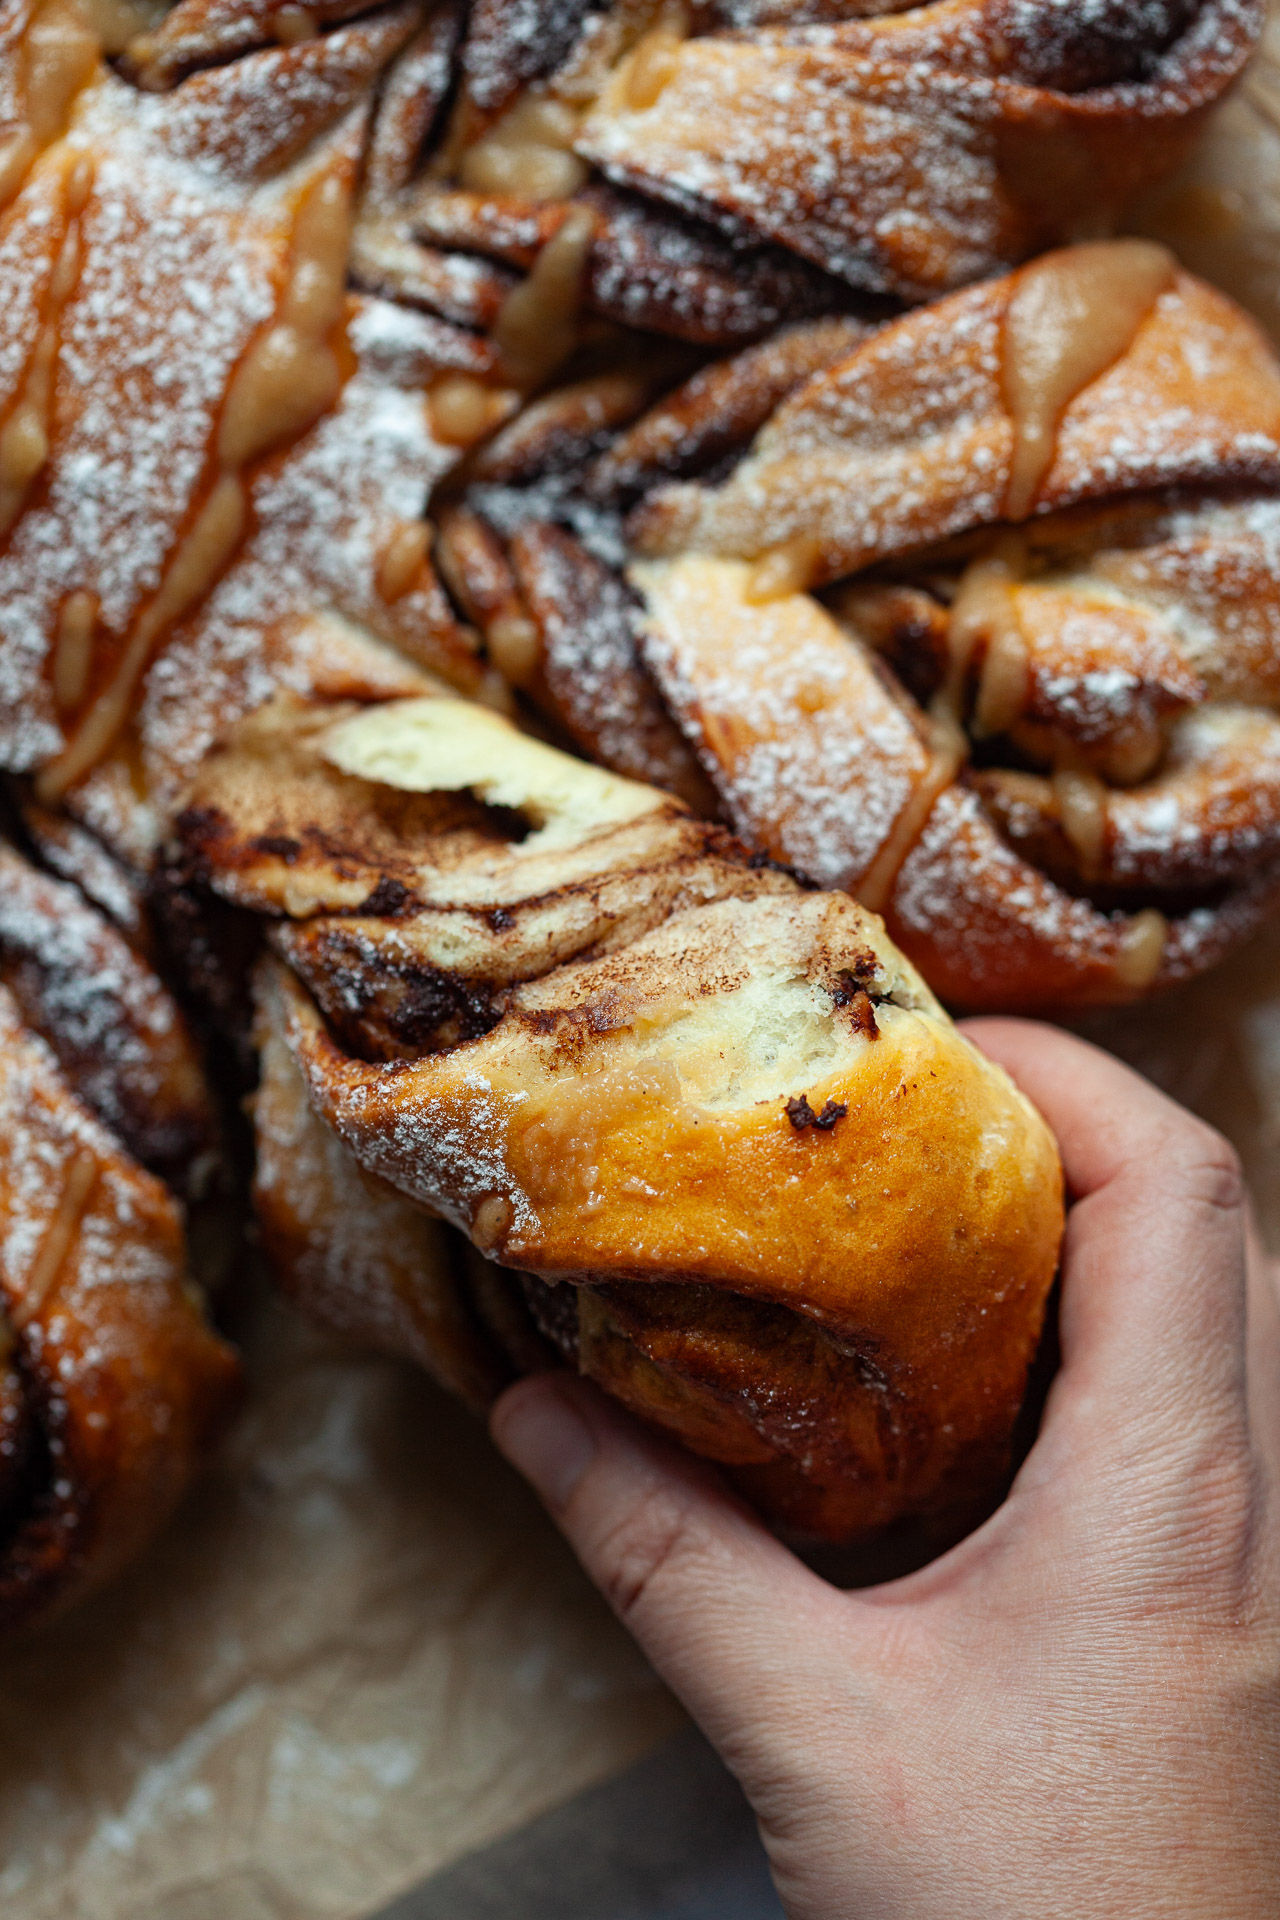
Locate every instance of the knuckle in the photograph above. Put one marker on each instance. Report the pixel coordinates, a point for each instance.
(656, 1542)
(1209, 1170)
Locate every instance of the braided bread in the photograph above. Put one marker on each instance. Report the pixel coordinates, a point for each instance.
(709, 169)
(749, 1177)
(112, 1387)
(983, 626)
(807, 1227)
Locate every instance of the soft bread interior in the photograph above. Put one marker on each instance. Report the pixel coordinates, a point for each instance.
(446, 746)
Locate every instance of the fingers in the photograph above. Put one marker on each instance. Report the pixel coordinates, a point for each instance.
(730, 1619)
(1153, 1263)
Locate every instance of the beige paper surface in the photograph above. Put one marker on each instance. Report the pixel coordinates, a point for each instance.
(1221, 211)
(362, 1651)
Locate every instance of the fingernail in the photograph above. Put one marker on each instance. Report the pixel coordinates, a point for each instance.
(547, 1440)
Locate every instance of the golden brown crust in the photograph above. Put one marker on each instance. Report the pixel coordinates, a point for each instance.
(276, 448)
(746, 1090)
(115, 1384)
(1032, 528)
(120, 1038)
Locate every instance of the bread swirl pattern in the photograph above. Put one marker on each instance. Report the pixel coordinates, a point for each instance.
(982, 626)
(735, 164)
(559, 1010)
(507, 989)
(112, 1385)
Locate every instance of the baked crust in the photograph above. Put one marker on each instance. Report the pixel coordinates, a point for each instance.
(687, 1071)
(355, 1254)
(982, 627)
(520, 1012)
(113, 1386)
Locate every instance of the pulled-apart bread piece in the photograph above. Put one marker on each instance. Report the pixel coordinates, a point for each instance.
(354, 1253)
(112, 1384)
(772, 1199)
(982, 627)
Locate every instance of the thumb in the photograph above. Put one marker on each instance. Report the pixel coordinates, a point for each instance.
(733, 1622)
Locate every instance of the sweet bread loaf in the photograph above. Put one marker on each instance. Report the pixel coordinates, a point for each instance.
(771, 1198)
(981, 627)
(112, 1385)
(274, 280)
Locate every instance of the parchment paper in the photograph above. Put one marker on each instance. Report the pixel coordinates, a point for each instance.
(362, 1651)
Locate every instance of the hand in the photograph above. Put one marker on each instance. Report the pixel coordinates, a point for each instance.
(1077, 1710)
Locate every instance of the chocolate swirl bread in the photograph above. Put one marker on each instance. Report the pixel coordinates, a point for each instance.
(113, 1386)
(981, 626)
(769, 1196)
(274, 281)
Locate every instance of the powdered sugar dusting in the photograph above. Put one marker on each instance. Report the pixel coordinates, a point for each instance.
(174, 284)
(323, 517)
(788, 715)
(100, 1006)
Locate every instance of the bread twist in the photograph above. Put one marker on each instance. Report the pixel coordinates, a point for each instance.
(982, 627)
(112, 1386)
(806, 1226)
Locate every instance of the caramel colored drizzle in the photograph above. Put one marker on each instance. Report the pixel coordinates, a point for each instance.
(1142, 947)
(1006, 672)
(1073, 314)
(56, 1245)
(537, 327)
(403, 559)
(462, 410)
(25, 435)
(59, 54)
(1082, 809)
(787, 568)
(117, 23)
(515, 647)
(982, 609)
(652, 66)
(949, 753)
(528, 153)
(293, 25)
(199, 559)
(289, 376)
(73, 651)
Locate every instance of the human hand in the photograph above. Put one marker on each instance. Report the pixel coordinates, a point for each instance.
(1076, 1711)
